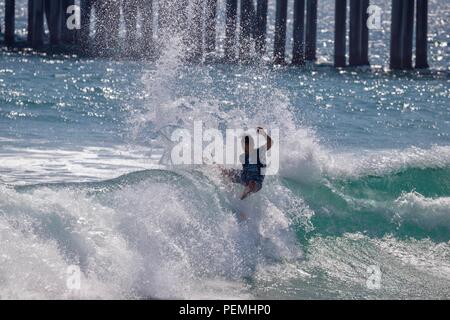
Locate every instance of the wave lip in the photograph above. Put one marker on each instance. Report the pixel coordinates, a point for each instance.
(383, 162)
(428, 212)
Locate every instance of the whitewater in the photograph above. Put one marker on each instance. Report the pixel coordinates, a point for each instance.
(363, 185)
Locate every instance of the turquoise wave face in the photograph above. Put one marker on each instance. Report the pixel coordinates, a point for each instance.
(363, 182)
(411, 203)
(299, 242)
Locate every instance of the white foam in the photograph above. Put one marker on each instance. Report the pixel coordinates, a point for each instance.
(150, 239)
(303, 158)
(426, 212)
(45, 232)
(409, 269)
(31, 165)
(382, 162)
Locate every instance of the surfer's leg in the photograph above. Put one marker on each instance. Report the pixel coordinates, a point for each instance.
(251, 187)
(245, 193)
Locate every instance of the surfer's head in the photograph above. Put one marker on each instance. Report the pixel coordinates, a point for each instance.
(247, 143)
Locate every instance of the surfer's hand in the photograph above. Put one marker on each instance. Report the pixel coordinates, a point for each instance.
(261, 131)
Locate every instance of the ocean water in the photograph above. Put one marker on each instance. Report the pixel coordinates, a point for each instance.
(360, 208)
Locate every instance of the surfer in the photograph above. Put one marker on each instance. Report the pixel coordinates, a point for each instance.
(250, 176)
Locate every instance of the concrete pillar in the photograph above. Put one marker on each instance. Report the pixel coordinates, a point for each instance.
(298, 54)
(85, 21)
(10, 18)
(130, 12)
(355, 46)
(364, 60)
(261, 26)
(340, 30)
(146, 9)
(230, 30)
(107, 23)
(421, 34)
(100, 25)
(311, 30)
(36, 23)
(162, 17)
(30, 21)
(401, 34)
(210, 26)
(280, 32)
(166, 14)
(54, 15)
(196, 28)
(407, 33)
(68, 36)
(246, 29)
(396, 19)
(359, 33)
(182, 10)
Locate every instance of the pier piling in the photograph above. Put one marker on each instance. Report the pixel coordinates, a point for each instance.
(130, 12)
(146, 9)
(421, 34)
(359, 39)
(395, 60)
(197, 22)
(85, 22)
(355, 45)
(246, 29)
(280, 32)
(112, 22)
(107, 18)
(53, 13)
(10, 8)
(261, 26)
(197, 31)
(183, 15)
(36, 23)
(230, 30)
(68, 36)
(311, 30)
(408, 29)
(364, 59)
(402, 34)
(298, 51)
(210, 26)
(339, 33)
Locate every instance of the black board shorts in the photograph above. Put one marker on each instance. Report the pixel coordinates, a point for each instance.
(239, 176)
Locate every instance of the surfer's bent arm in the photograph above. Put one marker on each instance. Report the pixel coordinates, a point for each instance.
(265, 135)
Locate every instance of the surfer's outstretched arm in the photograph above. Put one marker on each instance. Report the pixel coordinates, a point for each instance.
(265, 135)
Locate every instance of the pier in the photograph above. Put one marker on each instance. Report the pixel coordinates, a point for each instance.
(246, 23)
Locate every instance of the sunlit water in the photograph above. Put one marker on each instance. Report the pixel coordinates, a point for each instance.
(363, 182)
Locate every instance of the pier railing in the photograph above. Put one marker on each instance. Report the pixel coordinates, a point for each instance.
(70, 22)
